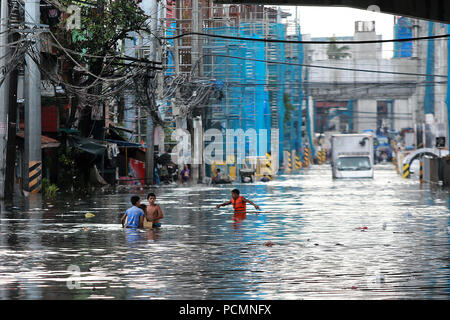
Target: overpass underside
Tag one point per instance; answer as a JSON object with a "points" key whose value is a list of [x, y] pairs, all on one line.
{"points": [[435, 10], [351, 91]]}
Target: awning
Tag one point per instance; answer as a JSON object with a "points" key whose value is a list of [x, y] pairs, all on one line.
{"points": [[87, 144], [46, 142], [69, 131], [121, 128]]}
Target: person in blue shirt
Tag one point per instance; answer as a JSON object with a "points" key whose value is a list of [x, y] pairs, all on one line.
{"points": [[134, 216]]}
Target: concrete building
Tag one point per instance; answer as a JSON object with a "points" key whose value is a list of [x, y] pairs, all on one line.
{"points": [[365, 91]]}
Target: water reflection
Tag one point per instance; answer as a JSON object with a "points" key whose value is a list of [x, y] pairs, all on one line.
{"points": [[308, 241]]}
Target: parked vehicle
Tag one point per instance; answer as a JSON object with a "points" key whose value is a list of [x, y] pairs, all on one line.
{"points": [[382, 146], [168, 170], [352, 155]]}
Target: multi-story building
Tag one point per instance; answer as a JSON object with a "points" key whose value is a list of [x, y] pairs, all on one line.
{"points": [[360, 90]]}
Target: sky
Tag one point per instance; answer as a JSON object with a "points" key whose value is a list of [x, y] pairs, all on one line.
{"points": [[340, 21]]}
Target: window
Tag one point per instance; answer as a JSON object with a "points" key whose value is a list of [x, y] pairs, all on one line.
{"points": [[383, 140], [353, 163]]}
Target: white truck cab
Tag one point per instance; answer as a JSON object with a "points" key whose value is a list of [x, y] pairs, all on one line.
{"points": [[352, 156]]}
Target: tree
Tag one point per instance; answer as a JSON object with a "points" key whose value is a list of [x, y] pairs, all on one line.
{"points": [[337, 53], [93, 69], [97, 70]]}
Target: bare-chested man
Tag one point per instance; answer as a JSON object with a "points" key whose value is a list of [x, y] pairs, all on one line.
{"points": [[154, 212]]}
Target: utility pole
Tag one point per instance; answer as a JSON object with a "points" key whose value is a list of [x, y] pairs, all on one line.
{"points": [[200, 74], [129, 98], [196, 142], [176, 102], [33, 153], [140, 54], [12, 127], [176, 57], [4, 91], [160, 76], [150, 133]]}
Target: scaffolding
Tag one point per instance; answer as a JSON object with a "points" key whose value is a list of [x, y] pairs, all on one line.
{"points": [[294, 90], [255, 91]]}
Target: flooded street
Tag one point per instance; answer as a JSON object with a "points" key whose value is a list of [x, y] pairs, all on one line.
{"points": [[315, 238]]}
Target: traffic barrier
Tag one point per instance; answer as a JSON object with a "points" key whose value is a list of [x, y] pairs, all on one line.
{"points": [[322, 156], [421, 172], [289, 161], [394, 162], [269, 160], [34, 176], [268, 170], [399, 162], [298, 163], [306, 157], [406, 172]]}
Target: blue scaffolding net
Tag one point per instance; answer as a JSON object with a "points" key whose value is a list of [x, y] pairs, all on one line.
{"points": [[258, 80]]}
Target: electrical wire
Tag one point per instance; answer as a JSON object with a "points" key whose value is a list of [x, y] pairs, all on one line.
{"points": [[303, 41], [325, 67]]}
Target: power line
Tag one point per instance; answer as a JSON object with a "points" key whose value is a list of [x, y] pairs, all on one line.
{"points": [[350, 85], [326, 67], [303, 41]]}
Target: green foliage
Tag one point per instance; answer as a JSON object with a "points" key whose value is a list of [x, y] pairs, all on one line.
{"points": [[102, 27], [337, 53], [49, 189], [70, 175]]}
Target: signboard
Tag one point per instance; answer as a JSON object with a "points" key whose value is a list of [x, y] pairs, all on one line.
{"points": [[332, 104], [47, 88], [49, 119], [440, 142], [409, 139]]}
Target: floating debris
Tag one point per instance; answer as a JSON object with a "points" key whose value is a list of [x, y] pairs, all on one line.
{"points": [[380, 278], [268, 244], [89, 215], [408, 215]]}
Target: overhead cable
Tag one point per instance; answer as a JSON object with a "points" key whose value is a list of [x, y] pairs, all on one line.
{"points": [[303, 41]]}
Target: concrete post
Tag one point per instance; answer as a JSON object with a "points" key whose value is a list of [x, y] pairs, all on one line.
{"points": [[195, 54], [12, 128], [195, 38], [129, 98], [4, 89], [149, 159], [33, 153]]}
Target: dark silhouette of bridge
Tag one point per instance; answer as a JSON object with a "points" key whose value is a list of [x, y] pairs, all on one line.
{"points": [[435, 10]]}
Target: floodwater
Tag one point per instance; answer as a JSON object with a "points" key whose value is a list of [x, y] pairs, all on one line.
{"points": [[315, 238]]}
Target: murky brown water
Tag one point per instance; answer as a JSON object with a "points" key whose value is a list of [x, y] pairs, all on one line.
{"points": [[316, 225]]}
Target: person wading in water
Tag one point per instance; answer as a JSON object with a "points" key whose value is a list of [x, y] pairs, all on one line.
{"points": [[239, 204]]}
